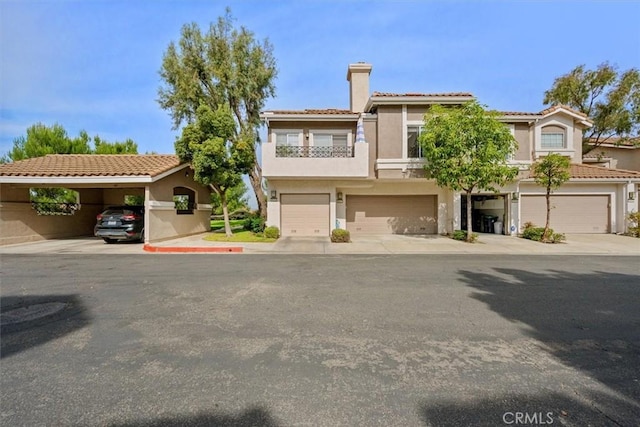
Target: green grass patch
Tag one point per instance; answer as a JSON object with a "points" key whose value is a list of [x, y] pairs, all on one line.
{"points": [[239, 236], [219, 223]]}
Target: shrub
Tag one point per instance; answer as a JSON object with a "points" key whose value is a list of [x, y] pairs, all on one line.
{"points": [[534, 233], [254, 224], [462, 235], [634, 223], [272, 232], [340, 236]]}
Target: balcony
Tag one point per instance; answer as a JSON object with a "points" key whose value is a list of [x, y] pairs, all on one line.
{"points": [[315, 162]]}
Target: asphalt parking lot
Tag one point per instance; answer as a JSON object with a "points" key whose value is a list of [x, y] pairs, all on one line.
{"points": [[317, 340]]}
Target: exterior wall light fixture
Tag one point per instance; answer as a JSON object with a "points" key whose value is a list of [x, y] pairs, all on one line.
{"points": [[340, 199], [274, 195]]}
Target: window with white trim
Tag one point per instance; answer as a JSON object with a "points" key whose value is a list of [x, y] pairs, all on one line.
{"points": [[552, 140], [287, 139], [552, 137], [414, 149], [330, 140]]}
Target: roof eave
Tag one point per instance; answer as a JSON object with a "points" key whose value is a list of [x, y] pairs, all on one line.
{"points": [[269, 117], [415, 100]]}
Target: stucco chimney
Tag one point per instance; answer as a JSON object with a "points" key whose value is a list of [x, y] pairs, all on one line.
{"points": [[358, 77]]}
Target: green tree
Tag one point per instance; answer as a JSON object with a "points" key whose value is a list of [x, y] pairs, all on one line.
{"points": [[466, 149], [610, 98], [104, 147], [216, 161], [550, 172], [236, 199], [224, 66], [42, 140]]}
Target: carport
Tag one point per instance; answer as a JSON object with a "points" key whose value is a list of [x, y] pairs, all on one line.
{"points": [[175, 205]]}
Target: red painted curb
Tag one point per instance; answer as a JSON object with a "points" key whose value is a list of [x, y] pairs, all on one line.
{"points": [[182, 249]]}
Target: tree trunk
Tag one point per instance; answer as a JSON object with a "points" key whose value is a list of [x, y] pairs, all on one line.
{"points": [[469, 219], [545, 236], [255, 177], [225, 214]]}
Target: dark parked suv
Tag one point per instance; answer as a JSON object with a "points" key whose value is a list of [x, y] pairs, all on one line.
{"points": [[120, 223]]}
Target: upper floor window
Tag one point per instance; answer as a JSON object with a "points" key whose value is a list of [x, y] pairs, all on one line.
{"points": [[330, 140], [414, 149], [552, 137], [287, 139]]}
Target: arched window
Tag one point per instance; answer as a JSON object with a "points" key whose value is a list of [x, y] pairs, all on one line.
{"points": [[553, 137], [184, 199]]}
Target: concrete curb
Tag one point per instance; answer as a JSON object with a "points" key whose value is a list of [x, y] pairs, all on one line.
{"points": [[188, 249]]}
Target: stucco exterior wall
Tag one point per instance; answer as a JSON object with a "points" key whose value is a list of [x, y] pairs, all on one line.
{"points": [[115, 196], [522, 135], [626, 158], [390, 132], [19, 222], [163, 221]]}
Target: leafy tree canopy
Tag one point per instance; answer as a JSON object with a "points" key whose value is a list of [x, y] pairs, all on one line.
{"points": [[222, 66], [609, 97], [42, 140], [466, 148], [216, 161]]}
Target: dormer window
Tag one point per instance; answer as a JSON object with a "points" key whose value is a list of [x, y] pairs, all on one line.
{"points": [[553, 137]]}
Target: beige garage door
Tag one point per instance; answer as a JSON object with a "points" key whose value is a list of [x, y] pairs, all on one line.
{"points": [[569, 214], [304, 214], [392, 214]]}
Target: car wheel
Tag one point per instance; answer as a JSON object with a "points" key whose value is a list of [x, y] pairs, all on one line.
{"points": [[109, 241]]}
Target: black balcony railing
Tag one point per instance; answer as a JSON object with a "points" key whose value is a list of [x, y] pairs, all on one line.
{"points": [[318, 152]]}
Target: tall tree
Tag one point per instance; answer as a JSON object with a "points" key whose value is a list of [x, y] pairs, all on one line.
{"points": [[550, 172], [224, 66], [216, 161], [610, 98], [466, 149]]}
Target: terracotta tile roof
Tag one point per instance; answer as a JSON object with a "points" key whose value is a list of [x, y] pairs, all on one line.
{"points": [[565, 107], [618, 141], [597, 172], [518, 113], [452, 94], [81, 165], [313, 111]]}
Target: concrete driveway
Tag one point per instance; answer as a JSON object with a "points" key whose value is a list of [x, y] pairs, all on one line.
{"points": [[306, 340], [577, 244], [81, 245]]}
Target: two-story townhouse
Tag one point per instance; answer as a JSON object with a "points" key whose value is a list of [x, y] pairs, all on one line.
{"points": [[361, 169]]}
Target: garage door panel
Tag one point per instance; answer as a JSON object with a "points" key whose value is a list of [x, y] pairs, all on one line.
{"points": [[392, 214], [304, 214], [569, 213]]}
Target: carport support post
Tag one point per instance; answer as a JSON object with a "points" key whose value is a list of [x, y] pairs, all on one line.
{"points": [[147, 214]]}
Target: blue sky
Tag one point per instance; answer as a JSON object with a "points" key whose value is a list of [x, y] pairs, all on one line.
{"points": [[94, 64]]}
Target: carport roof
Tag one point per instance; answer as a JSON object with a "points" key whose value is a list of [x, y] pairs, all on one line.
{"points": [[82, 167]]}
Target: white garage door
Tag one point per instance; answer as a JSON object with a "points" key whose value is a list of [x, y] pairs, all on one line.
{"points": [[569, 214], [392, 214], [304, 214]]}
